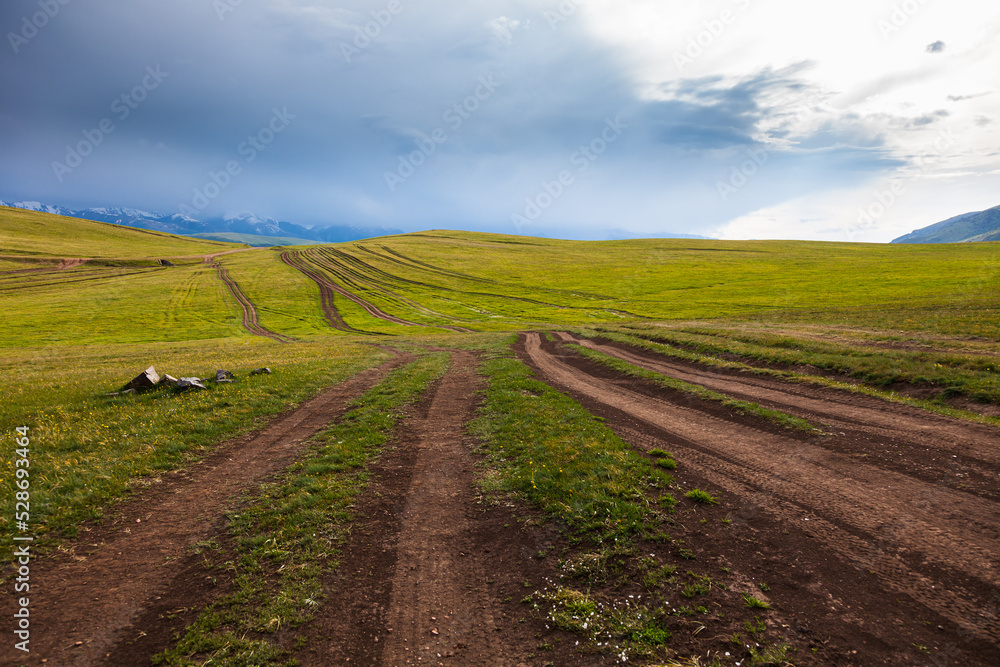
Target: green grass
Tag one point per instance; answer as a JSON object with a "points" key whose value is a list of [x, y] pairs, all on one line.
{"points": [[633, 628], [544, 448], [680, 279], [286, 300], [88, 450], [752, 602], [700, 496], [291, 532], [252, 240], [114, 306]]}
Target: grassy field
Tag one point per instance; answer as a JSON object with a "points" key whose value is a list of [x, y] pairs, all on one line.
{"points": [[881, 317], [493, 282], [88, 449]]}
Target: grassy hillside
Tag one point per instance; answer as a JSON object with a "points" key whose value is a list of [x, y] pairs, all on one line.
{"points": [[967, 228], [46, 235], [481, 282], [493, 282]]}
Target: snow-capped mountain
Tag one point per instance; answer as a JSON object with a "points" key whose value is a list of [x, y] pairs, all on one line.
{"points": [[245, 223]]}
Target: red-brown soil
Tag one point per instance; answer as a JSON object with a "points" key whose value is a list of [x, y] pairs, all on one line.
{"points": [[868, 538]]}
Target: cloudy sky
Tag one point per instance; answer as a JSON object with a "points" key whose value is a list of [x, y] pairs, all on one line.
{"points": [[852, 120]]}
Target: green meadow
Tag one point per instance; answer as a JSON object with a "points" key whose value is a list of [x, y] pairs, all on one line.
{"points": [[72, 333], [879, 313]]}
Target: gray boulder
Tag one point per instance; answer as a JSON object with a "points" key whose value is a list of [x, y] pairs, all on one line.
{"points": [[260, 371], [147, 379], [223, 376], [168, 379], [190, 383]]}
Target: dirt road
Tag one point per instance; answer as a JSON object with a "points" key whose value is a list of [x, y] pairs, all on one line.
{"points": [[934, 549], [418, 582], [96, 591]]}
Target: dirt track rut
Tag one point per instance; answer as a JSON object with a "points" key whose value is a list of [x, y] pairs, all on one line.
{"points": [[296, 261], [94, 594], [432, 610], [838, 409], [250, 322], [939, 546]]}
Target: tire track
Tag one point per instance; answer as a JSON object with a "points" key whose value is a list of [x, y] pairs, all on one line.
{"points": [[436, 605], [326, 292], [841, 409], [250, 322], [370, 308], [951, 545], [95, 597], [359, 273]]}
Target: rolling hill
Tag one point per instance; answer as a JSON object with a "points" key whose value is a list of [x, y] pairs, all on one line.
{"points": [[966, 228], [176, 223], [30, 233]]}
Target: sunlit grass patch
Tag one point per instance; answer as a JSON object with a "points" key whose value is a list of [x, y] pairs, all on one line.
{"points": [[625, 628]]}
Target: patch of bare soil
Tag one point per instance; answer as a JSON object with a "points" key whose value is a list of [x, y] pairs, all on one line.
{"points": [[882, 565], [137, 565]]}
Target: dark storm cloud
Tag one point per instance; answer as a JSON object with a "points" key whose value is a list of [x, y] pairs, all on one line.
{"points": [[361, 86]]}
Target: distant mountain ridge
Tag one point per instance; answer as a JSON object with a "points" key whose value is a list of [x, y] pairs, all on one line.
{"points": [[183, 225], [965, 228]]}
